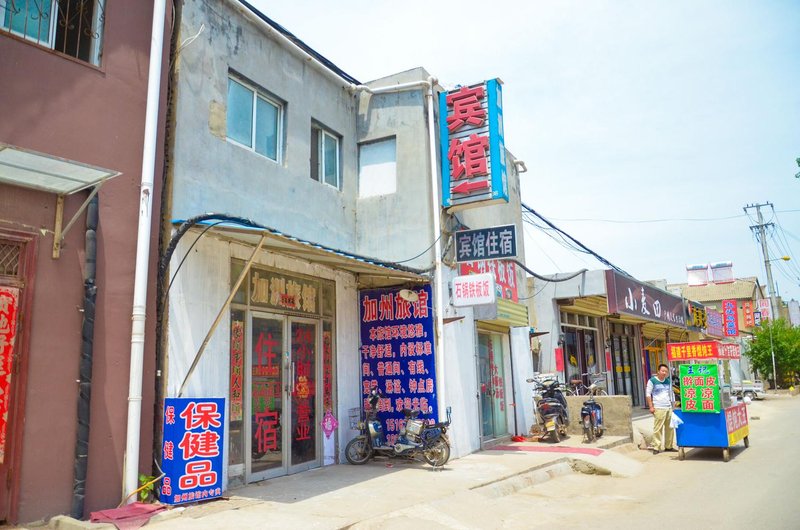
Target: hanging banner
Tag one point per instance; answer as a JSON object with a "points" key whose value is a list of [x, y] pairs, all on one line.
{"points": [[747, 312], [765, 309], [397, 354], [472, 145], [505, 275], [699, 388], [9, 300], [473, 289], [714, 323], [192, 451], [684, 351], [731, 318]]}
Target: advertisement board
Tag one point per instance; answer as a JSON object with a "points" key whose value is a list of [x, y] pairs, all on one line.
{"points": [[699, 388]]}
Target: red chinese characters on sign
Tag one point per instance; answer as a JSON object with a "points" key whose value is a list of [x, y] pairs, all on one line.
{"points": [[266, 356], [747, 310], [736, 417], [203, 444], [468, 153], [505, 275], [730, 351], [267, 431], [303, 354], [8, 328], [237, 369], [203, 415]]}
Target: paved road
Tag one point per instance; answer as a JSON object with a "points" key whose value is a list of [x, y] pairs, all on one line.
{"points": [[758, 488]]}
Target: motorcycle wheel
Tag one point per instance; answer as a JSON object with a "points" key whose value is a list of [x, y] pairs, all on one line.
{"points": [[437, 454], [358, 451], [588, 428], [598, 432], [554, 435]]}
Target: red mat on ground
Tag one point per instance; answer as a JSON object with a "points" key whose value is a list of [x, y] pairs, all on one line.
{"points": [[545, 449], [128, 517]]}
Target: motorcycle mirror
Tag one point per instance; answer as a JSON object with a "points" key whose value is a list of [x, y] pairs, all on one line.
{"points": [[530, 380]]}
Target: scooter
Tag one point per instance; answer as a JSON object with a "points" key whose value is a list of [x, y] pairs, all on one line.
{"points": [[592, 419], [416, 438], [551, 408]]}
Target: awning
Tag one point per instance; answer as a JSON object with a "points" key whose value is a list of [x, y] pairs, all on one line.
{"points": [[52, 174], [370, 272], [503, 314], [38, 171]]}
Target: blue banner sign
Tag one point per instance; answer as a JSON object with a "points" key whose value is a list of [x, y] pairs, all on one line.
{"points": [[191, 453], [397, 354]]}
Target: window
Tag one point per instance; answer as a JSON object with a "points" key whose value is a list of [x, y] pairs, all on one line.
{"points": [[325, 157], [72, 27], [253, 120], [377, 168]]}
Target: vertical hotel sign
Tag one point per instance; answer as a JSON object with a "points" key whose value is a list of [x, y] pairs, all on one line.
{"points": [[9, 298], [472, 144], [191, 454], [730, 318]]}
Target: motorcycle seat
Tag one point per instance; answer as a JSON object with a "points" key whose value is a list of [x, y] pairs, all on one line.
{"points": [[410, 414]]}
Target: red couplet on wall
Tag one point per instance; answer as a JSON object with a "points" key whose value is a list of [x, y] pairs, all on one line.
{"points": [[559, 359]]}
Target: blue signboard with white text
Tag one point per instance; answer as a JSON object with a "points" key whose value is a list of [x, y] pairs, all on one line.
{"points": [[473, 146], [397, 353], [191, 453]]}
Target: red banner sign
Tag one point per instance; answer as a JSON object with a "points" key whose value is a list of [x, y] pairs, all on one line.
{"points": [[505, 275], [9, 298], [747, 310], [731, 318], [689, 351]]}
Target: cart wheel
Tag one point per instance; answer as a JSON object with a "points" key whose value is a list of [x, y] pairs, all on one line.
{"points": [[747, 441], [726, 454], [681, 453]]}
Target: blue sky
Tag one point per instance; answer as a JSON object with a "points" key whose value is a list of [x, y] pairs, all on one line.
{"points": [[622, 110]]}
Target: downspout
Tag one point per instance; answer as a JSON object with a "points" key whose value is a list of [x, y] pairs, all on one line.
{"points": [[131, 464], [85, 369]]}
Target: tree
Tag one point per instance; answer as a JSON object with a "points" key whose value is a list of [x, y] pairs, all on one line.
{"points": [[786, 343]]}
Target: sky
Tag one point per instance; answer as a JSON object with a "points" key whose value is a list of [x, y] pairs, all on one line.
{"points": [[665, 117]]}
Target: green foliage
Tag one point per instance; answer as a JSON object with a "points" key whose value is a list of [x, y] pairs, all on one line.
{"points": [[147, 492], [786, 343]]}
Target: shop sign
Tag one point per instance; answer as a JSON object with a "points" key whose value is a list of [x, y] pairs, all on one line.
{"points": [[765, 308], [736, 423], [473, 289], [714, 323], [700, 388], [631, 297], [685, 351], [697, 316], [397, 355], [757, 318], [284, 292], [192, 450], [9, 300], [472, 145], [747, 312], [504, 272], [731, 318], [237, 369], [497, 242], [730, 351]]}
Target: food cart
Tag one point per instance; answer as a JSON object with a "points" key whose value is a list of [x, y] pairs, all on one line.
{"points": [[711, 415]]}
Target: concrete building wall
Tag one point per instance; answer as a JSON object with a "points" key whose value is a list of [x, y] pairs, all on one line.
{"points": [[212, 174], [94, 115]]}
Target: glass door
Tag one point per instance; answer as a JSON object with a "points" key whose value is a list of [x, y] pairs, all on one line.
{"points": [[303, 394], [491, 382], [266, 404]]}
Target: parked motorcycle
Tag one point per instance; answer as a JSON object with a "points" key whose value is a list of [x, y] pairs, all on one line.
{"points": [[592, 419], [551, 408], [417, 438]]}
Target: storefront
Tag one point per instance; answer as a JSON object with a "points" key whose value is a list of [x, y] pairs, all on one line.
{"points": [[580, 349], [625, 366]]}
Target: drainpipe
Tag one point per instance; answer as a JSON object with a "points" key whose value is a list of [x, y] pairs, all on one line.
{"points": [[131, 465], [436, 214], [85, 369]]}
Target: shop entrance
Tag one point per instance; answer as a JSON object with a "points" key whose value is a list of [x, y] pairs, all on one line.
{"points": [[283, 398], [491, 382], [623, 356]]}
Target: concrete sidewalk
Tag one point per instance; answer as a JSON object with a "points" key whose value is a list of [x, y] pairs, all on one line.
{"points": [[342, 495]]}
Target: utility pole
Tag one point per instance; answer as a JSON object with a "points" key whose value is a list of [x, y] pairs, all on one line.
{"points": [[762, 238]]}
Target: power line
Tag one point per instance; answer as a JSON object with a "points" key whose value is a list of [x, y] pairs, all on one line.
{"points": [[600, 258], [664, 220]]}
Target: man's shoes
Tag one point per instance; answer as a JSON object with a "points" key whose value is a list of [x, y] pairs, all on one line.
{"points": [[671, 450], [654, 451]]}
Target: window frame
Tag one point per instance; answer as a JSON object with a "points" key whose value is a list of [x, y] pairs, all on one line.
{"points": [[323, 132], [257, 94]]}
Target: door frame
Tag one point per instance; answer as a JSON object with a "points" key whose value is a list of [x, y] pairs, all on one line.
{"points": [[316, 462], [19, 383]]}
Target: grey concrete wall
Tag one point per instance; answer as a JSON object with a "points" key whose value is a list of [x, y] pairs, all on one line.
{"points": [[616, 415], [212, 174]]}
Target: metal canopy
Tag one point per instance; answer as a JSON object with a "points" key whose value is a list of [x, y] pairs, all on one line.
{"points": [[370, 272], [29, 169]]}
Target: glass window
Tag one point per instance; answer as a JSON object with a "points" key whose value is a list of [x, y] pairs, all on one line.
{"points": [[71, 27], [325, 157], [253, 120]]}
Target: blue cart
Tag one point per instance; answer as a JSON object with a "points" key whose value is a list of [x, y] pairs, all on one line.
{"points": [[723, 430]]}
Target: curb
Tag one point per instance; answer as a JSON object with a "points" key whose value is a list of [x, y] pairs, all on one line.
{"points": [[535, 475]]}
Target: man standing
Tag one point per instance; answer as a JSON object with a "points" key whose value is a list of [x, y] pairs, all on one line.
{"points": [[660, 399]]}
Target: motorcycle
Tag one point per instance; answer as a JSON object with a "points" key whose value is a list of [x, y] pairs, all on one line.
{"points": [[551, 408], [417, 438], [592, 419]]}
